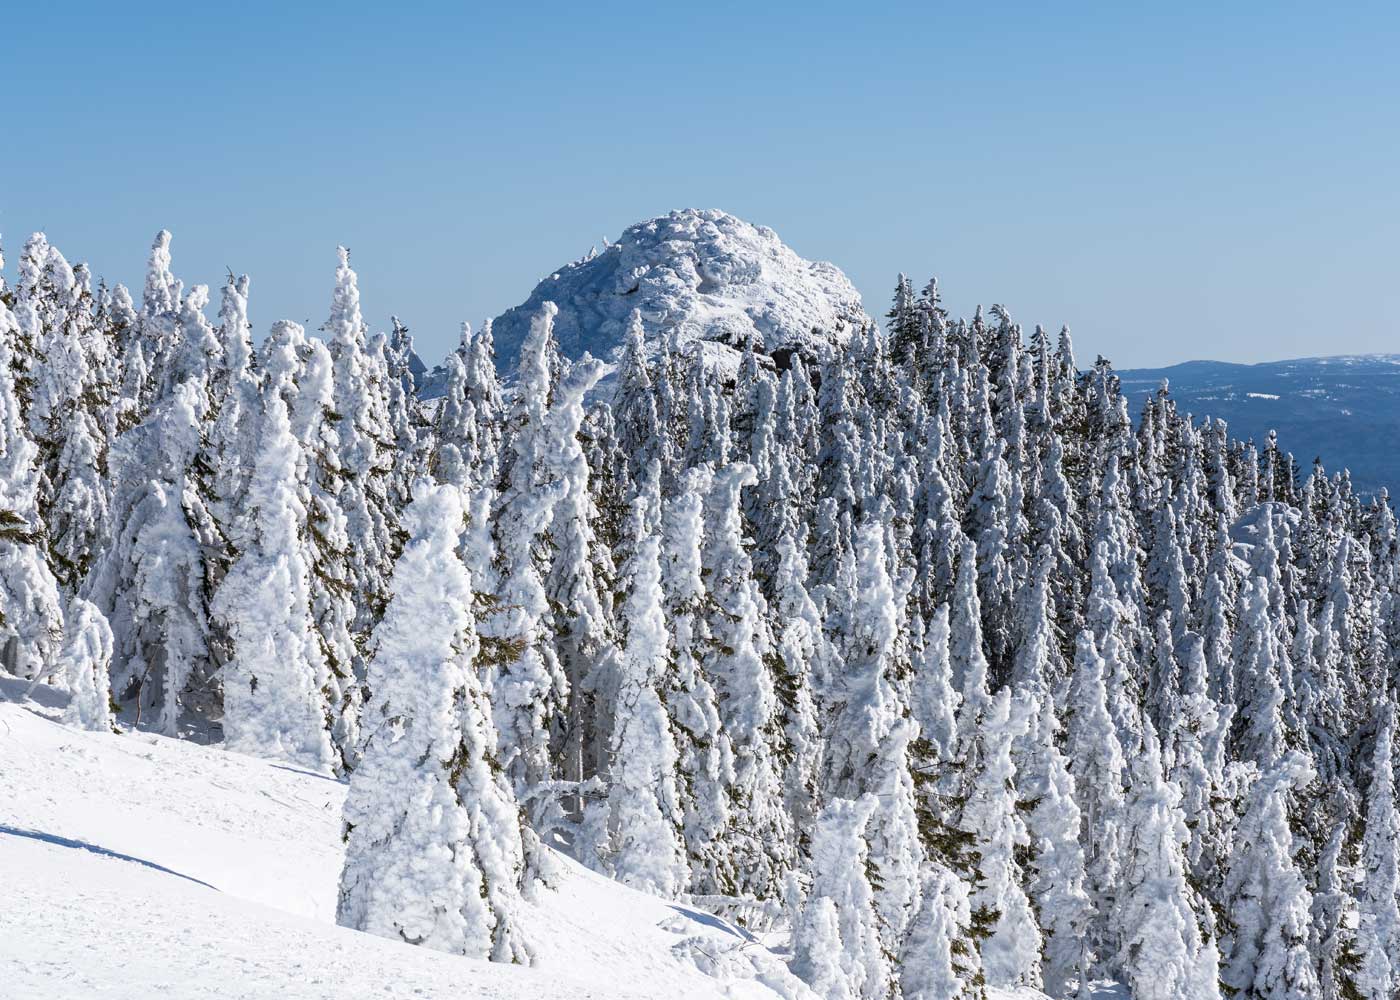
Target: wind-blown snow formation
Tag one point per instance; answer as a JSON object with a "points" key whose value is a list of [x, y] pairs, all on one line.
{"points": [[694, 275]]}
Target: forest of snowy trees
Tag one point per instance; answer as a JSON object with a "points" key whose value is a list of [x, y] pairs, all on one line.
{"points": [[925, 651]]}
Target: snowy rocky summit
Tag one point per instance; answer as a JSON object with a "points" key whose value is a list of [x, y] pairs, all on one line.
{"points": [[695, 275]]}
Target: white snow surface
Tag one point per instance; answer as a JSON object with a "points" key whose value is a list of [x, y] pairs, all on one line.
{"points": [[700, 274], [136, 865]]}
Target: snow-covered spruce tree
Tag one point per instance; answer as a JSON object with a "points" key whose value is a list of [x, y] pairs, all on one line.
{"points": [[1266, 902], [867, 703], [1378, 931], [760, 832], [530, 689], [366, 442], [1260, 734], [233, 442], [849, 962], [276, 683], [78, 518], [1056, 868], [409, 431], [31, 616], [84, 665], [1194, 751], [1097, 765], [643, 436], [66, 417], [578, 585], [1163, 956], [936, 961], [300, 370], [155, 577], [933, 702], [433, 843], [806, 661], [965, 648], [1002, 915], [467, 432], [647, 851], [869, 738], [706, 758]]}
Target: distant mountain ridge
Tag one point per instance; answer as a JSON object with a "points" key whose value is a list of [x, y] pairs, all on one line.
{"points": [[1343, 409]]}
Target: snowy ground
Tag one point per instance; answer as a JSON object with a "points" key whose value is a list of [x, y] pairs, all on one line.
{"points": [[136, 866]]}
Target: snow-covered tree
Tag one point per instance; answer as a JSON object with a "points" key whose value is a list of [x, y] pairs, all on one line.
{"points": [[939, 960], [433, 843], [1267, 903], [1056, 868], [1378, 931], [648, 851], [842, 957], [31, 616], [1012, 942], [83, 667], [365, 441], [1097, 765], [276, 683], [1162, 954], [741, 647], [706, 758]]}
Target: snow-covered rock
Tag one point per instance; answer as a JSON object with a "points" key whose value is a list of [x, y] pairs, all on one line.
{"points": [[702, 275]]}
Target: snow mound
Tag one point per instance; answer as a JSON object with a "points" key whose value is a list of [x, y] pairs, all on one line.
{"points": [[700, 275]]}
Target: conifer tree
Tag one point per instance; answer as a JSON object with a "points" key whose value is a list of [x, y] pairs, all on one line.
{"points": [[1096, 762], [760, 835], [939, 960], [845, 959], [31, 617], [84, 664], [1162, 954], [705, 757], [364, 439], [1267, 904], [648, 852], [233, 435], [1378, 932], [1011, 947], [1056, 869], [301, 371], [433, 844], [276, 684]]}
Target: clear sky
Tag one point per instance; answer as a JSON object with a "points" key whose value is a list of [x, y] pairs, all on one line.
{"points": [[1175, 181]]}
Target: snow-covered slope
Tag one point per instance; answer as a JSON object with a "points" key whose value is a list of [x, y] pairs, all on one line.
{"points": [[139, 866], [701, 274], [135, 866]]}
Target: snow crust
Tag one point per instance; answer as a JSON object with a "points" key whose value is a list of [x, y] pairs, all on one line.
{"points": [[697, 275]]}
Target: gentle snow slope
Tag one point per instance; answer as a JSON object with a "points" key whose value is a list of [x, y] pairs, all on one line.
{"points": [[700, 275], [136, 866]]}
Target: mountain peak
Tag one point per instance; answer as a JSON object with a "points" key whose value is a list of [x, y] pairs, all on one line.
{"points": [[696, 274]]}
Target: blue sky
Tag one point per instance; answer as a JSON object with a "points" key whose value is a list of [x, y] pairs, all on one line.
{"points": [[1173, 183]]}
